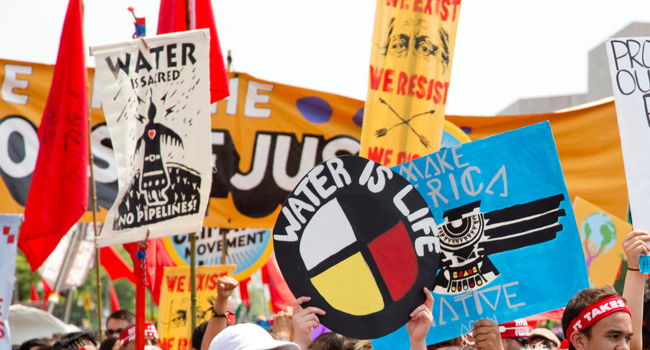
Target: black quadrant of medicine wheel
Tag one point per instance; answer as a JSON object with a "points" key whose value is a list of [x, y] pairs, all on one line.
{"points": [[370, 215]]}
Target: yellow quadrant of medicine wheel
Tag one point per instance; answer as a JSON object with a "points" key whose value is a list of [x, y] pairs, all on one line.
{"points": [[354, 274]]}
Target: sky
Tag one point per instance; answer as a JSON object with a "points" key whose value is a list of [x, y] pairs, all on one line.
{"points": [[505, 49]]}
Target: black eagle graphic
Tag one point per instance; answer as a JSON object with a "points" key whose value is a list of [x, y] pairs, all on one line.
{"points": [[468, 237]]}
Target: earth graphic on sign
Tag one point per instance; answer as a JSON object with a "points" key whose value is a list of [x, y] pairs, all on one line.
{"points": [[598, 234]]}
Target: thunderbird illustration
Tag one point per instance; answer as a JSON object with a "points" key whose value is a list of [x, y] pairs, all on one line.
{"points": [[162, 188], [468, 237]]}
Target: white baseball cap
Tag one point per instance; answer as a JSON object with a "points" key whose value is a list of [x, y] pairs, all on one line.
{"points": [[248, 336]]}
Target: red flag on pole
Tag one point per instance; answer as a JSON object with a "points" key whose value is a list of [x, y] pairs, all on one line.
{"points": [[47, 290], [281, 295], [34, 296], [157, 259], [58, 194], [114, 265], [172, 19], [115, 302]]}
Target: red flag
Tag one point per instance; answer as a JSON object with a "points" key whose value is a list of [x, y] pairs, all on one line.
{"points": [[281, 296], [115, 303], [58, 195], [243, 291], [47, 290], [114, 265], [34, 296], [172, 19]]}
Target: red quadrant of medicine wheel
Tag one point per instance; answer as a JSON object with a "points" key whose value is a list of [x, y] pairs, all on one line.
{"points": [[395, 257]]}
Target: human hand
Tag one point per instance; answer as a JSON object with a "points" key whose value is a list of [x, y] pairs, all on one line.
{"points": [[486, 335], [225, 286], [634, 246], [283, 323], [420, 323], [304, 320]]}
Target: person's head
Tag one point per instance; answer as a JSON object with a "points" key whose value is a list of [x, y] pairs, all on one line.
{"points": [[127, 337], [329, 341], [545, 337], [34, 344], [118, 321], [597, 319], [110, 343], [515, 334], [75, 341], [197, 335], [246, 337]]}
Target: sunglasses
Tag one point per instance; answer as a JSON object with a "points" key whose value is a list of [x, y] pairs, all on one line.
{"points": [[117, 332]]}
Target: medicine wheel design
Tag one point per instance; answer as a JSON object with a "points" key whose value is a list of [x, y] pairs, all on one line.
{"points": [[356, 255]]}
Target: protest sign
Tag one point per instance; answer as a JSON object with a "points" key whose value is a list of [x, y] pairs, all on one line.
{"points": [[9, 227], [83, 258], [410, 66], [174, 323], [248, 249], [505, 224], [357, 238], [156, 99], [602, 237], [630, 72]]}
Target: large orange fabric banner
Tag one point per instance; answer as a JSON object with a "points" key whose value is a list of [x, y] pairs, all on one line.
{"points": [[587, 142], [410, 66], [266, 136]]}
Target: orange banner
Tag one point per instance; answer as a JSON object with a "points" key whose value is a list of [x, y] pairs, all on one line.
{"points": [[266, 136]]}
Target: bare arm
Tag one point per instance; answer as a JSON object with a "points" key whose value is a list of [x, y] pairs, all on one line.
{"points": [[420, 323], [304, 320], [634, 246], [225, 286]]}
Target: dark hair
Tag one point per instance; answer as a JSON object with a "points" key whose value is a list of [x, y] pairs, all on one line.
{"points": [[33, 342], [108, 343], [330, 341], [579, 302], [73, 341], [197, 335], [125, 315]]}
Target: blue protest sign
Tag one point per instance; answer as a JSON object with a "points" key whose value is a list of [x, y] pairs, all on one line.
{"points": [[509, 242]]}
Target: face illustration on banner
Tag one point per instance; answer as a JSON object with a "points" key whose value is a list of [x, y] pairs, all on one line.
{"points": [[413, 37], [361, 242]]}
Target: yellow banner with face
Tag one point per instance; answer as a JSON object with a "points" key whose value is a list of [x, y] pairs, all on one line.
{"points": [[174, 315], [410, 65]]}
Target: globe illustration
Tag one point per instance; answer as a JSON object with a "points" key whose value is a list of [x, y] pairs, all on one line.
{"points": [[598, 234]]}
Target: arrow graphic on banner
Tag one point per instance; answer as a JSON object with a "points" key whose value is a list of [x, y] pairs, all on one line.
{"points": [[384, 131]]}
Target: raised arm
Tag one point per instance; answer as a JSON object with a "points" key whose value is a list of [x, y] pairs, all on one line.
{"points": [[225, 287], [634, 246], [420, 323]]}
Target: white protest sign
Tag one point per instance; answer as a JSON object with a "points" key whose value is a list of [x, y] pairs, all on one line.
{"points": [[9, 226], [156, 98], [629, 65]]}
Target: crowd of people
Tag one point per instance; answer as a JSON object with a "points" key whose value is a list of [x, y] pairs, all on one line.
{"points": [[594, 319]]}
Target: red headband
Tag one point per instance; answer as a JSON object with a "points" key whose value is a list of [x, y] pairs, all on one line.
{"points": [[594, 313], [128, 335]]}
